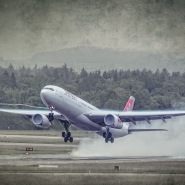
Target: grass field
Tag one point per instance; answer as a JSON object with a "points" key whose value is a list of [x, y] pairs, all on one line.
{"points": [[43, 141], [83, 179], [76, 133], [18, 166]]}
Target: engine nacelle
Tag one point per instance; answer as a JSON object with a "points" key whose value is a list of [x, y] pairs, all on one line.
{"points": [[113, 121], [41, 121]]}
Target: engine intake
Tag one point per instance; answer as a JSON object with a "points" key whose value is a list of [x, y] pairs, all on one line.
{"points": [[112, 120], [41, 121]]}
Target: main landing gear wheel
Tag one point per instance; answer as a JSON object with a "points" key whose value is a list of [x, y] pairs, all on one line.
{"points": [[104, 135], [106, 140], [71, 139], [65, 139], [109, 139], [108, 136], [63, 134], [112, 140], [67, 135]]}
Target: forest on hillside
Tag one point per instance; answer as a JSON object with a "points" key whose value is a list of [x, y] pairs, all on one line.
{"points": [[104, 89]]}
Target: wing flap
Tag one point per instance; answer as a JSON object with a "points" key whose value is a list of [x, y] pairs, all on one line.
{"points": [[145, 130]]}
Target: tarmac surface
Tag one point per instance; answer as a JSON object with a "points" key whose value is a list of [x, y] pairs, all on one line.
{"points": [[59, 159], [54, 162], [30, 158]]}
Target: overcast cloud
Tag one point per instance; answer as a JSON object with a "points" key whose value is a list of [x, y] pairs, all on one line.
{"points": [[31, 26]]}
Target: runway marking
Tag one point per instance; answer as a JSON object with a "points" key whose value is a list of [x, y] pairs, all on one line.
{"points": [[97, 174], [48, 166], [31, 136], [37, 144]]}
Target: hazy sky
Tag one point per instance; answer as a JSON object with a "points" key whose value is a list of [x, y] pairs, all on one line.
{"points": [[31, 26]]}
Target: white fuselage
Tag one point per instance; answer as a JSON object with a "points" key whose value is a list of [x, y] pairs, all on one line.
{"points": [[73, 109]]}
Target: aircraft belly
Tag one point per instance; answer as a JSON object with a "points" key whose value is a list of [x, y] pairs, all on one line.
{"points": [[116, 133], [84, 123], [65, 107]]}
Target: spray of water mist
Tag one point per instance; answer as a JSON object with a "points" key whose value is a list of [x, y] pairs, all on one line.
{"points": [[170, 143]]}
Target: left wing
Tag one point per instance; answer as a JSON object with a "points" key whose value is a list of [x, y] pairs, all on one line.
{"points": [[133, 116]]}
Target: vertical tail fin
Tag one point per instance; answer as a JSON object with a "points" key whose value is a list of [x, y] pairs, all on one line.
{"points": [[130, 104]]}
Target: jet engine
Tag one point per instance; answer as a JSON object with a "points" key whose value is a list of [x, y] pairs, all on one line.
{"points": [[41, 121], [113, 121]]}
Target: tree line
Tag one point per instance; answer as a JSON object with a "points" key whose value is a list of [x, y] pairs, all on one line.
{"points": [[104, 89]]}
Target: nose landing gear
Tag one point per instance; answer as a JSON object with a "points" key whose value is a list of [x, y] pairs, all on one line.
{"points": [[51, 114]]}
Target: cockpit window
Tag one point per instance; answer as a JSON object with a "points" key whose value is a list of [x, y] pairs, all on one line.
{"points": [[49, 88]]}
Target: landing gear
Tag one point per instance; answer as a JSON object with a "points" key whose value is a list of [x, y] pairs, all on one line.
{"points": [[112, 140], [65, 139], [51, 117], [108, 136], [67, 135], [63, 134], [106, 140], [71, 139], [51, 114]]}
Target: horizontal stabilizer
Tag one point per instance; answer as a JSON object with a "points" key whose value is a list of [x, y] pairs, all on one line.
{"points": [[145, 130]]}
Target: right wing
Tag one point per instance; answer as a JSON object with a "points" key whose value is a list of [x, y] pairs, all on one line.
{"points": [[27, 112]]}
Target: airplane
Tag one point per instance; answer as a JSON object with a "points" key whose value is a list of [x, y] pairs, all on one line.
{"points": [[70, 109]]}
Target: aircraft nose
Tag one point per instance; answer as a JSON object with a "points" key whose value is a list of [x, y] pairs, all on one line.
{"points": [[43, 92], [44, 95]]}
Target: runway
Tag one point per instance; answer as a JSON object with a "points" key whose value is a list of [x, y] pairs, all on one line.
{"points": [[52, 150], [28, 158], [54, 162]]}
